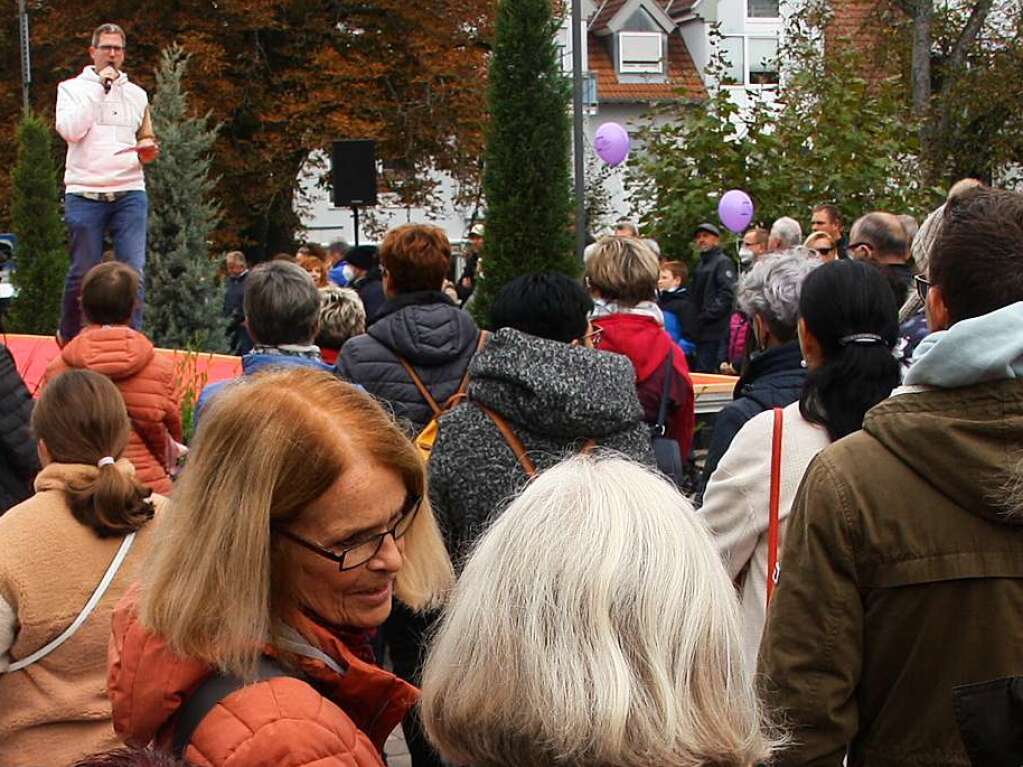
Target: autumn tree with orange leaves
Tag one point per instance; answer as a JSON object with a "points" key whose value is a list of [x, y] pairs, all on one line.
{"points": [[284, 79]]}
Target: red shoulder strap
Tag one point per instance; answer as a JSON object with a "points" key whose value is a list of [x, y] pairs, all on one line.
{"points": [[773, 569]]}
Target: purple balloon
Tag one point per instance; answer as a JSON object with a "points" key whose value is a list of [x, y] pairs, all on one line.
{"points": [[612, 143], [735, 210]]}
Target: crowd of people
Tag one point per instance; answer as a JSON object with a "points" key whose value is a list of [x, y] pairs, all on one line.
{"points": [[493, 536], [490, 537]]}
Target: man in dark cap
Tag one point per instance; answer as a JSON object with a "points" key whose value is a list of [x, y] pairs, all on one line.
{"points": [[713, 292], [367, 279]]}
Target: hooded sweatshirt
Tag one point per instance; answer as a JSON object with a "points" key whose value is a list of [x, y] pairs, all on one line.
{"points": [[902, 573], [647, 345], [555, 397], [96, 126], [986, 348], [146, 381]]}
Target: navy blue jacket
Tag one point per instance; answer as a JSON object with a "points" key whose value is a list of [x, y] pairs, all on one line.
{"points": [[773, 378]]}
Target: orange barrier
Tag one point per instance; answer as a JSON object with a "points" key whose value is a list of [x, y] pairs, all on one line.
{"points": [[32, 354]]}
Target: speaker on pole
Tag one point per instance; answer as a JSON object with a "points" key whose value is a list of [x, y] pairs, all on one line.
{"points": [[354, 173]]}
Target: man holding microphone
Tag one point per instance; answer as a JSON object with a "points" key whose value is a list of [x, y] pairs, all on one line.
{"points": [[105, 121]]}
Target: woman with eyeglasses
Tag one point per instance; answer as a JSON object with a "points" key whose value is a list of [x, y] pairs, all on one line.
{"points": [[301, 516], [822, 245]]}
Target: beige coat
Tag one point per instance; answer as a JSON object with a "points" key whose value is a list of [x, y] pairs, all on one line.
{"points": [[56, 710], [737, 507]]}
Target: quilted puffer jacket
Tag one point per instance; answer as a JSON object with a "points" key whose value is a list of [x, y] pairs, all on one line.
{"points": [[18, 461], [274, 722], [146, 382], [437, 339]]}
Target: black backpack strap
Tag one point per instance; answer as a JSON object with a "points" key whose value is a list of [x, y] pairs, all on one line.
{"points": [[662, 410], [209, 694]]}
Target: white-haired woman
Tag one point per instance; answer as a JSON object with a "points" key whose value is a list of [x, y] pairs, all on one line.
{"points": [[774, 374], [593, 625]]}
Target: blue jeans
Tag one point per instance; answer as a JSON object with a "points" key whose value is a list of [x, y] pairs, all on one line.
{"points": [[87, 222]]}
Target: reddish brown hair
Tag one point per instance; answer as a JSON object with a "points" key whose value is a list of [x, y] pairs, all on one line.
{"points": [[416, 256], [678, 270], [81, 418]]}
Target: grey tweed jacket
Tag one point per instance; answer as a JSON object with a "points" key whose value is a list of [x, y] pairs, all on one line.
{"points": [[555, 397]]}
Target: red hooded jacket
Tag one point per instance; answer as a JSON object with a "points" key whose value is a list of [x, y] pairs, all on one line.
{"points": [[273, 722], [646, 344]]}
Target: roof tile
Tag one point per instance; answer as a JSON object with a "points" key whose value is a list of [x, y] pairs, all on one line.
{"points": [[683, 84]]}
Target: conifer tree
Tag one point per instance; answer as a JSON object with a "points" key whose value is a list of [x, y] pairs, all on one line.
{"points": [[526, 178], [41, 260], [184, 300]]}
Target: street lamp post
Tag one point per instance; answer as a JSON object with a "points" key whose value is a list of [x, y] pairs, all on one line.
{"points": [[26, 66], [577, 130]]}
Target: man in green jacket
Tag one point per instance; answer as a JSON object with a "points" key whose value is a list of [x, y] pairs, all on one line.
{"points": [[902, 571]]}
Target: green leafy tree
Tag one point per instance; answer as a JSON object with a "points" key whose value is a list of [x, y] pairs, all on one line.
{"points": [[184, 299], [526, 177], [41, 259], [827, 135]]}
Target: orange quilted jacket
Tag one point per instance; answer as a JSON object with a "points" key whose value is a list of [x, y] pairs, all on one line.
{"points": [[278, 721], [147, 383]]}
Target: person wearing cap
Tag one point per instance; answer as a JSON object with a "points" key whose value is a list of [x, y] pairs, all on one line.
{"points": [[713, 292], [467, 282], [625, 227], [367, 279]]}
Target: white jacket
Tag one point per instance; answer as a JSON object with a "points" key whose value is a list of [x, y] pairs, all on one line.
{"points": [[96, 125], [737, 506]]}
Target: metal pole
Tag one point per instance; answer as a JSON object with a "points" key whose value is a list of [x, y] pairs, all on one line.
{"points": [[577, 127], [26, 65], [355, 214]]}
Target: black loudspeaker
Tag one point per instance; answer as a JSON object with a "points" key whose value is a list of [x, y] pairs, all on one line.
{"points": [[353, 169]]}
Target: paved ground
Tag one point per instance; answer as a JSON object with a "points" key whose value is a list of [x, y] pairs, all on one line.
{"points": [[396, 750]]}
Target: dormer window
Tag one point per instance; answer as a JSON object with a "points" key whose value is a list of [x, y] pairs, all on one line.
{"points": [[640, 53]]}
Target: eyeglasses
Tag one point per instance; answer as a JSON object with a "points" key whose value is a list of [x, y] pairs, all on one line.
{"points": [[922, 285], [825, 251], [110, 48], [864, 245], [360, 552], [595, 336]]}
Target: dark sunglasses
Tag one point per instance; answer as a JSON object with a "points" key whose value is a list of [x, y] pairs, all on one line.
{"points": [[360, 552], [922, 285], [825, 251]]}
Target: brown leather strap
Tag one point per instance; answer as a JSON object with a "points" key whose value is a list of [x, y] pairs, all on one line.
{"points": [[437, 410], [516, 444], [481, 341], [513, 441]]}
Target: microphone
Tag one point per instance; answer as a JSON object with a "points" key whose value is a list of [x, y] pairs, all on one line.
{"points": [[107, 80]]}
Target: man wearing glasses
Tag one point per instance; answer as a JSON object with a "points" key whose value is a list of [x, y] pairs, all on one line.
{"points": [[881, 238], [105, 121]]}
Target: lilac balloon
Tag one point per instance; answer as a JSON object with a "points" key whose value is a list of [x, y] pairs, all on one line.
{"points": [[612, 143], [735, 210]]}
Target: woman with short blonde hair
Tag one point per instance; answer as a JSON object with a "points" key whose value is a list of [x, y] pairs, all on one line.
{"points": [[593, 625], [822, 246], [622, 275], [623, 270], [303, 511]]}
